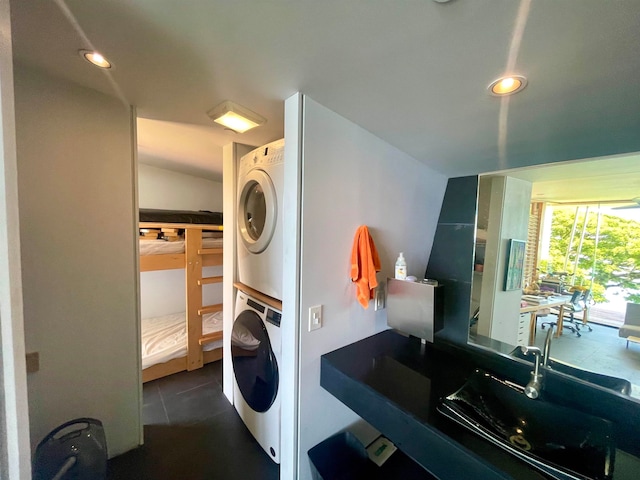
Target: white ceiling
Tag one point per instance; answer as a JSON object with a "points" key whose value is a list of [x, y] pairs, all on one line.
{"points": [[614, 180], [413, 72]]}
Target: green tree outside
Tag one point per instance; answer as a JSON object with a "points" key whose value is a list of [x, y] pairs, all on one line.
{"points": [[617, 259]]}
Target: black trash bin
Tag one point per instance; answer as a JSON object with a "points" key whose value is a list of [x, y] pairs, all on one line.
{"points": [[76, 450], [340, 457], [343, 457]]}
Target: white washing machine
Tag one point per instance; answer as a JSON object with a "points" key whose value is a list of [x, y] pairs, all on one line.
{"points": [[256, 356], [260, 185]]}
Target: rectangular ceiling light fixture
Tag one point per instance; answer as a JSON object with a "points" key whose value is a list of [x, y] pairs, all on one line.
{"points": [[235, 117]]}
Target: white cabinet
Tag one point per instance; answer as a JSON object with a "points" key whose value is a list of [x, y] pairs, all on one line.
{"points": [[523, 329]]}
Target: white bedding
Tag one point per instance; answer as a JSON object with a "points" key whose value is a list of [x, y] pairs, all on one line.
{"points": [[157, 247], [165, 338]]}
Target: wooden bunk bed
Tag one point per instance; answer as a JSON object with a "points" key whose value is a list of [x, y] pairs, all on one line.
{"points": [[194, 258]]}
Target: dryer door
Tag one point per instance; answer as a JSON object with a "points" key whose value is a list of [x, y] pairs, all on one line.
{"points": [[257, 211], [254, 363]]}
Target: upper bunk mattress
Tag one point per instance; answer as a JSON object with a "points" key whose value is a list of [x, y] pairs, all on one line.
{"points": [[159, 247], [202, 217]]}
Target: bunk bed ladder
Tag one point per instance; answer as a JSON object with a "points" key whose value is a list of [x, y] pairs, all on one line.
{"points": [[195, 309]]}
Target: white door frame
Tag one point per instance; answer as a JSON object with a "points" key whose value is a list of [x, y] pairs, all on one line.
{"points": [[15, 451]]}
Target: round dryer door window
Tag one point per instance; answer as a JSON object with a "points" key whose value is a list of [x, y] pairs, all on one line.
{"points": [[257, 211], [254, 363]]}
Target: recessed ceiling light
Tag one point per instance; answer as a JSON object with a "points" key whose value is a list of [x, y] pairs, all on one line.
{"points": [[95, 58], [507, 85], [235, 117]]}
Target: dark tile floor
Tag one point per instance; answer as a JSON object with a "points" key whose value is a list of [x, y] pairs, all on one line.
{"points": [[192, 432]]}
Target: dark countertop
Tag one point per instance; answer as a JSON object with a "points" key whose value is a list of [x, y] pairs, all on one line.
{"points": [[395, 383]]}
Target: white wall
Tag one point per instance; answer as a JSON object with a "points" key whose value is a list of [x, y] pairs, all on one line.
{"points": [[77, 202], [165, 189], [163, 292], [15, 455], [350, 178], [292, 217], [231, 154], [509, 207]]}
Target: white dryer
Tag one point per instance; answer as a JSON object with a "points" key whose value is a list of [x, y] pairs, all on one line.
{"points": [[260, 185], [256, 356]]}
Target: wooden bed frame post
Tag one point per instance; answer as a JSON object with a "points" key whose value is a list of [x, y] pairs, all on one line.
{"points": [[193, 272]]}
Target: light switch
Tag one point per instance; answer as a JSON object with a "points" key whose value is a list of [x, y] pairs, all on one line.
{"points": [[33, 362], [315, 317], [379, 301]]}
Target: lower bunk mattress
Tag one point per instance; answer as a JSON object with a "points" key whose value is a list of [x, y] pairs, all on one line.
{"points": [[165, 338]]}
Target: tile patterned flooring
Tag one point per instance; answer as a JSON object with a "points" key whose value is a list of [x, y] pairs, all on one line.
{"points": [[191, 433]]}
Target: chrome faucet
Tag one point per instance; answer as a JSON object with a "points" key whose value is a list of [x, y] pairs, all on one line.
{"points": [[547, 347], [534, 387]]}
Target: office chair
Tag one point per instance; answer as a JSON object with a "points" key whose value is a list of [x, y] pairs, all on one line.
{"points": [[582, 305], [569, 325]]}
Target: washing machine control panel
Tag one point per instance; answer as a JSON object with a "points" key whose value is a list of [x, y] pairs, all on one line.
{"points": [[255, 305], [270, 160], [273, 317], [271, 154]]}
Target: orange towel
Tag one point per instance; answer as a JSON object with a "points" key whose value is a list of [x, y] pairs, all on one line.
{"points": [[364, 265]]}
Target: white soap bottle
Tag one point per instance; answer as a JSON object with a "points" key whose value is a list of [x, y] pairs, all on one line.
{"points": [[401, 267]]}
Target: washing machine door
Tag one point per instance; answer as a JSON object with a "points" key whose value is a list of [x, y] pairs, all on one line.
{"points": [[254, 363], [257, 211]]}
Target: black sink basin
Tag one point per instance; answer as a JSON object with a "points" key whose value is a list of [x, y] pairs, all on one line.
{"points": [[616, 384], [559, 441]]}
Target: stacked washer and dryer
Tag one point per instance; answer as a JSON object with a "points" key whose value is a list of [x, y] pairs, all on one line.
{"points": [[256, 337]]}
